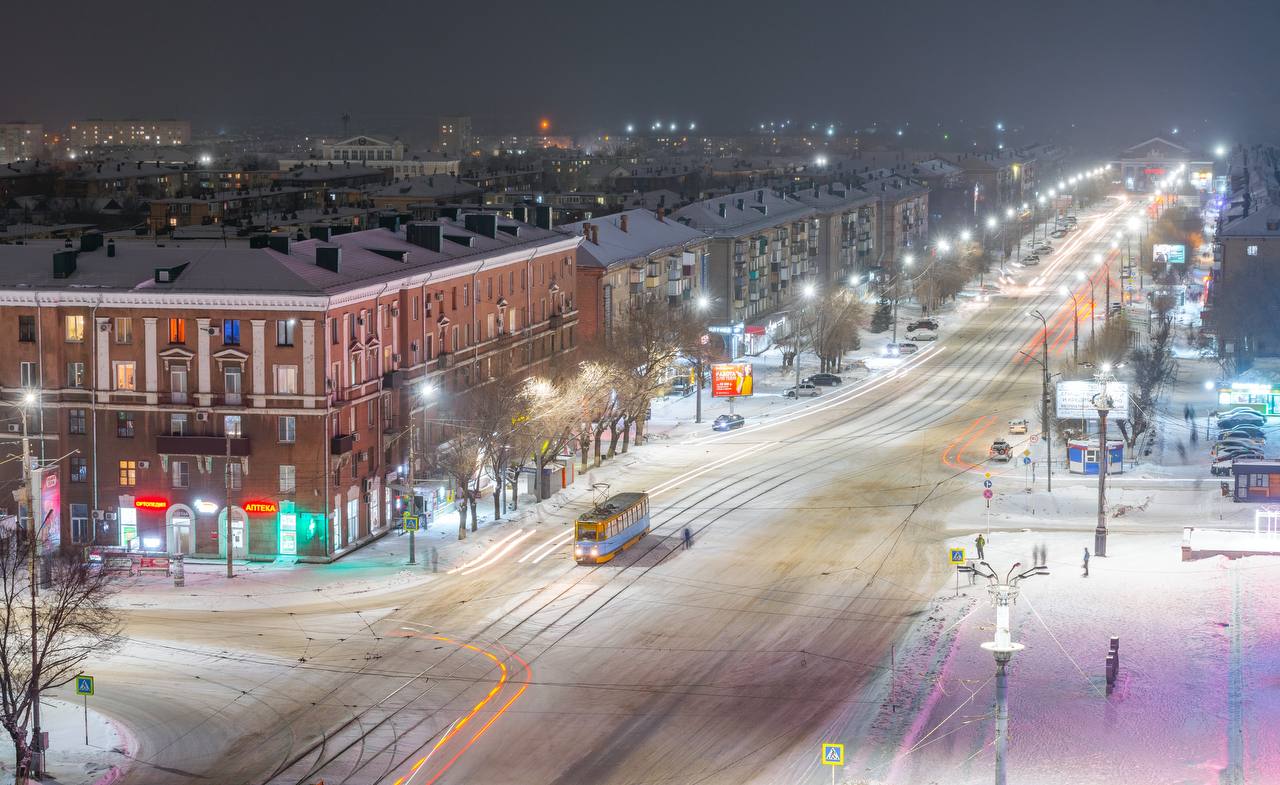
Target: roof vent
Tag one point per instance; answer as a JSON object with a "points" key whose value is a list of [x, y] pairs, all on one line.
{"points": [[428, 236], [278, 243], [329, 257], [64, 264], [169, 274], [482, 223]]}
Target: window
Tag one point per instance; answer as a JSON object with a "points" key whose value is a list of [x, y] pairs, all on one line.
{"points": [[231, 426], [234, 473], [177, 331], [124, 329], [180, 473], [76, 421], [286, 380], [334, 335], [284, 332], [230, 332], [1252, 250], [128, 473], [1258, 480], [80, 531], [75, 374], [79, 469], [178, 424], [287, 428], [288, 478], [27, 374], [27, 329], [126, 375], [232, 382], [75, 329], [124, 425], [415, 307], [355, 370]]}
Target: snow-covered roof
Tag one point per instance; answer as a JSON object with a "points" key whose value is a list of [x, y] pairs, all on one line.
{"points": [[645, 235], [744, 212], [1263, 222], [428, 187]]}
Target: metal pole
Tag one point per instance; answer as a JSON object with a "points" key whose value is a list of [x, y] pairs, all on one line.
{"points": [[413, 489], [1093, 307], [895, 305], [1100, 534], [37, 753], [698, 367], [1044, 408], [227, 480], [1002, 714], [1075, 330]]}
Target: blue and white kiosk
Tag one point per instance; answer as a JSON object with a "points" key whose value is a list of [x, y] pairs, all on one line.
{"points": [[1082, 456]]}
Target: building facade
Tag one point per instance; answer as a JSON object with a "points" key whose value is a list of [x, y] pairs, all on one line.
{"points": [[455, 137], [20, 141], [88, 134], [377, 154], [177, 388]]}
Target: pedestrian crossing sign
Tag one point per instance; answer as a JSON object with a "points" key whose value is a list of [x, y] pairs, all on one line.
{"points": [[84, 685], [957, 555], [832, 754], [411, 523]]}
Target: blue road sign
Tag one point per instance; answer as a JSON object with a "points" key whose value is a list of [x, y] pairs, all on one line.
{"points": [[84, 685], [832, 754], [1025, 460], [986, 483]]}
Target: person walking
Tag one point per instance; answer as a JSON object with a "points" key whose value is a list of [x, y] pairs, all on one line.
{"points": [[688, 538], [981, 543], [1086, 562]]}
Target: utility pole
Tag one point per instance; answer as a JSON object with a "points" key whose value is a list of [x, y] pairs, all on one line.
{"points": [[1045, 427], [697, 365], [227, 436], [29, 473], [413, 486], [1003, 595]]}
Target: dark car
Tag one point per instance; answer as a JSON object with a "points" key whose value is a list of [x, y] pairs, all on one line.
{"points": [[1238, 421], [727, 422], [824, 379], [923, 324]]}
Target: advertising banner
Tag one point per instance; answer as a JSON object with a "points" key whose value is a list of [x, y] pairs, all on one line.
{"points": [[1169, 254], [731, 380], [50, 501], [1075, 400]]}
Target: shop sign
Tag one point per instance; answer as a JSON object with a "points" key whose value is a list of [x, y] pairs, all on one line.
{"points": [[261, 508], [151, 503]]}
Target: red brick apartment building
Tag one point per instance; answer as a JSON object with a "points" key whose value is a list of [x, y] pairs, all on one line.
{"points": [[302, 361]]}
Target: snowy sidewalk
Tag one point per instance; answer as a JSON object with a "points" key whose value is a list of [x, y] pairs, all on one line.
{"points": [[70, 760]]}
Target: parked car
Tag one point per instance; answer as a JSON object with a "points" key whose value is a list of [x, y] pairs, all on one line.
{"points": [[1058, 234], [1244, 432], [1018, 426], [1235, 421], [1241, 410], [1221, 467], [907, 348], [1001, 451], [922, 334], [1030, 261], [823, 379], [802, 390], [1237, 453], [926, 323], [728, 422], [1224, 449], [1044, 248]]}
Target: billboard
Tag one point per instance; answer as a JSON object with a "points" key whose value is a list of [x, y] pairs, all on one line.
{"points": [[1075, 400], [731, 380], [1169, 254], [51, 505]]}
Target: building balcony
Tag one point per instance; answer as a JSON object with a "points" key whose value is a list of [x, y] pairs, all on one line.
{"points": [[202, 445], [341, 444]]}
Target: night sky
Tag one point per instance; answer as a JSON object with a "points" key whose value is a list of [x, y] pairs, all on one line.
{"points": [[1119, 71]]}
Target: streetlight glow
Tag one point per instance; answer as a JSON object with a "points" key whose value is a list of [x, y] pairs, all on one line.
{"points": [[991, 221], [965, 235]]}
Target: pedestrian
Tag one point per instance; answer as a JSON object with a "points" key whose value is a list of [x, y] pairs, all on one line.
{"points": [[1182, 451], [981, 543], [435, 559], [1186, 412], [1193, 414], [688, 538], [1086, 562], [1044, 554]]}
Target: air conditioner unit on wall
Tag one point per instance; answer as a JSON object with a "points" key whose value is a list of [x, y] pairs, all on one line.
{"points": [[15, 427], [144, 464], [202, 416]]}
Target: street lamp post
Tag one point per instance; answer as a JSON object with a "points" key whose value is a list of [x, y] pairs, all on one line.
{"points": [[702, 303], [1044, 404], [807, 292], [30, 488], [1003, 595], [1075, 325], [907, 261], [1103, 403]]}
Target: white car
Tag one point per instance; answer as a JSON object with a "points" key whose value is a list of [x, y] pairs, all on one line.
{"points": [[1018, 426], [923, 334], [802, 390]]}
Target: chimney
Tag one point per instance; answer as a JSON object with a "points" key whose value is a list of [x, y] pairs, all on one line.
{"points": [[90, 241], [760, 196], [595, 234], [724, 210], [542, 217], [586, 231], [321, 233], [329, 257], [111, 248], [278, 243], [742, 204], [622, 222], [482, 223], [429, 236], [662, 214], [64, 264], [520, 213]]}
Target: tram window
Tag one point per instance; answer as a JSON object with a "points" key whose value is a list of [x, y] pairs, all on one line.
{"points": [[586, 533]]}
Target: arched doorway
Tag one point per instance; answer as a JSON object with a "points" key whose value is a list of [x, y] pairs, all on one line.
{"points": [[181, 525], [239, 534]]}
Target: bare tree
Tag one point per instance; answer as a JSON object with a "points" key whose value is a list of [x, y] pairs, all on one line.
{"points": [[1152, 368], [461, 460], [832, 323], [495, 411], [644, 346], [554, 406], [73, 620]]}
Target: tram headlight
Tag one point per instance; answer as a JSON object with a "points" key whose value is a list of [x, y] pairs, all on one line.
{"points": [[595, 551]]}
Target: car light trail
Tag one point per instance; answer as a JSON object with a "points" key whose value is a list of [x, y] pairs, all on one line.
{"points": [[496, 552], [546, 548], [485, 555]]}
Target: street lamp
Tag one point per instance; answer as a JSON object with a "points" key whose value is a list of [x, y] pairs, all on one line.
{"points": [[1103, 403], [1044, 400], [1003, 595], [907, 261], [808, 292], [426, 392]]}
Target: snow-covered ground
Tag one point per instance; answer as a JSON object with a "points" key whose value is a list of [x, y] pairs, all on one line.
{"points": [[103, 760]]}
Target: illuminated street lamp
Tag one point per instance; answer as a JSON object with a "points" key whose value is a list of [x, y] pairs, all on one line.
{"points": [[1075, 324]]}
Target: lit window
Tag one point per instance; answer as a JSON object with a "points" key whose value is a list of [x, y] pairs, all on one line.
{"points": [[124, 329], [75, 329], [124, 425], [128, 473], [126, 375], [177, 331], [231, 332], [1252, 250]]}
